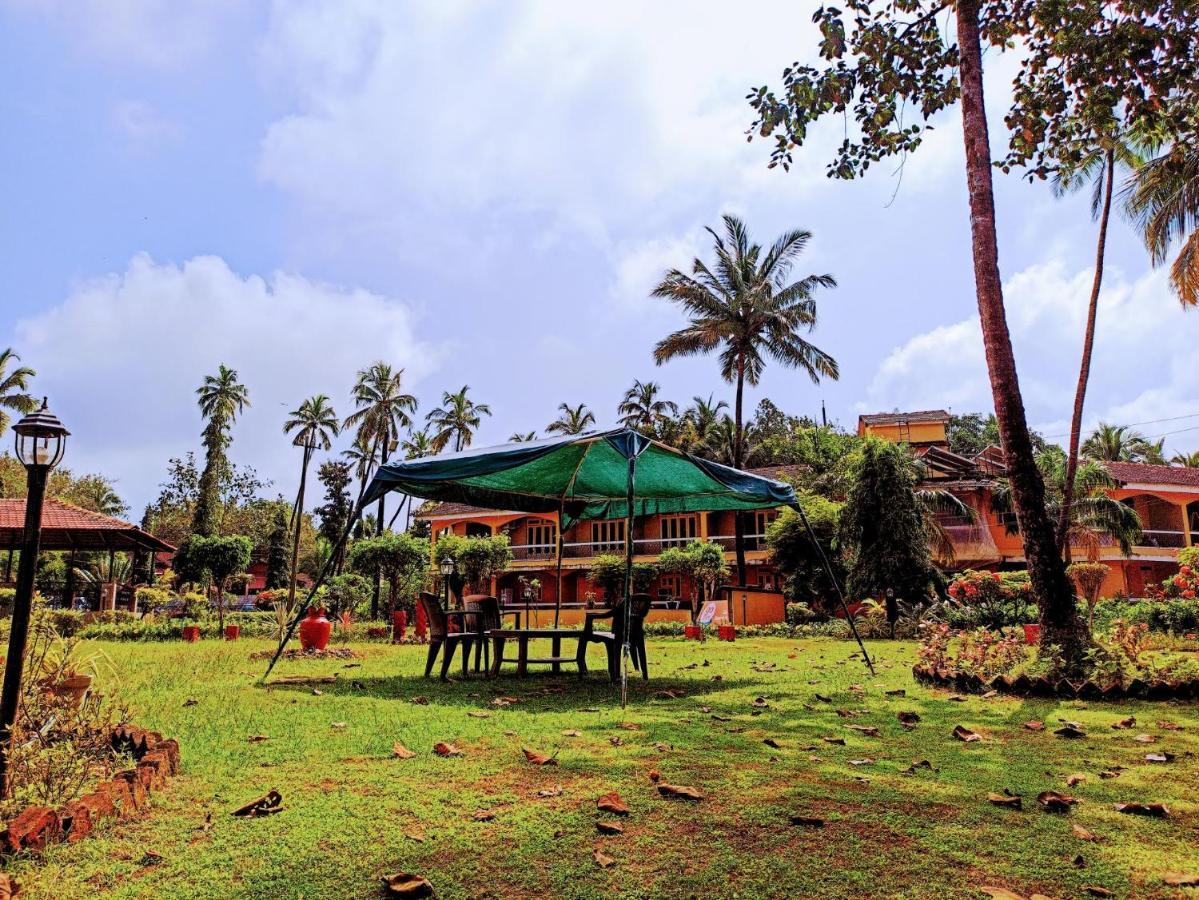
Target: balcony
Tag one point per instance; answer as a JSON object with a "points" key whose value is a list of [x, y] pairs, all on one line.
{"points": [[641, 547], [1169, 539]]}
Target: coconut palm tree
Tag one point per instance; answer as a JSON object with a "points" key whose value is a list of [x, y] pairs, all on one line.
{"points": [[746, 308], [1097, 168], [14, 387], [522, 437], [1119, 443], [456, 420], [1189, 460], [384, 408], [1163, 198], [417, 445], [361, 457], [314, 424], [222, 398], [573, 419], [640, 408], [1094, 513]]}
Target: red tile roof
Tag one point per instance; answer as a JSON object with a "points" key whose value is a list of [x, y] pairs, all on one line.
{"points": [[1142, 473], [65, 527]]}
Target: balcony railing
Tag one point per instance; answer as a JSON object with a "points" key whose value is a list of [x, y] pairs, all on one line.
{"points": [[641, 547], [1158, 538]]}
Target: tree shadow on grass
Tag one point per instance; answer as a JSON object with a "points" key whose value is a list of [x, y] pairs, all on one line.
{"points": [[540, 690]]}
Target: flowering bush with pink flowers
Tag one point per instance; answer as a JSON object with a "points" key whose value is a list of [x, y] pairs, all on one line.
{"points": [[1185, 584]]}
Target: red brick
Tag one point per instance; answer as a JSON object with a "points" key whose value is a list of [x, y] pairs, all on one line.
{"points": [[33, 829], [76, 820]]}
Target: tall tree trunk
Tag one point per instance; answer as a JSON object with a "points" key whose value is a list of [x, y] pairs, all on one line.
{"points": [[1061, 626], [738, 462], [384, 452], [295, 531], [1084, 370]]}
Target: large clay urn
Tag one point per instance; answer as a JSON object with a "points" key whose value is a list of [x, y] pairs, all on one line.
{"points": [[315, 630]]}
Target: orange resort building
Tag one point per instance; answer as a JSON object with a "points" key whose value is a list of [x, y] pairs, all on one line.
{"points": [[1165, 497]]}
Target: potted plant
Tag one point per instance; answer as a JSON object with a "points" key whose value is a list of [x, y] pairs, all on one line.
{"points": [[64, 668]]}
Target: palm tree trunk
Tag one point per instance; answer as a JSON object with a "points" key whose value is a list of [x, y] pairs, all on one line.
{"points": [[1061, 626], [295, 531], [378, 587], [1084, 370], [738, 462]]}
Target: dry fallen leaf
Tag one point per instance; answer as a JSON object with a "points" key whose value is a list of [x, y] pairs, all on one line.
{"points": [[965, 734], [1097, 891], [907, 719], [1162, 757], [1145, 739], [484, 815], [1070, 730], [1010, 801], [999, 893], [405, 884], [679, 792], [1153, 810], [1083, 835], [538, 759], [550, 792], [399, 751], [1181, 879], [807, 821], [839, 741], [771, 742], [655, 776], [337, 725], [441, 748], [571, 732], [609, 827], [868, 730], [629, 726], [611, 803], [603, 860], [1125, 723], [420, 701], [1035, 726], [479, 714], [1169, 726], [268, 804], [1075, 780], [1052, 801]]}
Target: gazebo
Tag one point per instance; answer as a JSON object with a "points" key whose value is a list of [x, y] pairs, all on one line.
{"points": [[615, 473], [69, 528]]}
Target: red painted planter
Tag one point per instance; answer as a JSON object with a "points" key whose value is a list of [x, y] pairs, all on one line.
{"points": [[727, 633], [232, 632], [422, 623], [1032, 634], [693, 632], [315, 630], [191, 633], [399, 625]]}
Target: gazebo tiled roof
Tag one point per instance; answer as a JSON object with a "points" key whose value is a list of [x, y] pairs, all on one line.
{"points": [[67, 527]]}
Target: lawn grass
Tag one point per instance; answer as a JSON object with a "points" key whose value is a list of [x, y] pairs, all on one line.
{"points": [[354, 812]]}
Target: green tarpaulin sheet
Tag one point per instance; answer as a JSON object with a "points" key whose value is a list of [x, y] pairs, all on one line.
{"points": [[584, 475]]}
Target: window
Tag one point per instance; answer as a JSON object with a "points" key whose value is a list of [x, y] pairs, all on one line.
{"points": [[679, 529], [768, 581], [442, 532], [670, 587], [477, 529], [608, 535], [755, 528], [542, 534]]}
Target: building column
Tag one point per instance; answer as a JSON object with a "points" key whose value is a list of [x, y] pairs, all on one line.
{"points": [[108, 596], [1186, 525], [703, 526]]}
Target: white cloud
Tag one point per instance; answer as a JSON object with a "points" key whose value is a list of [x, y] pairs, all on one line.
{"points": [[157, 33], [1142, 369], [593, 115], [122, 355]]}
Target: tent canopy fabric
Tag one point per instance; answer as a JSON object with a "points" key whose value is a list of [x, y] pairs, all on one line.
{"points": [[586, 475]]}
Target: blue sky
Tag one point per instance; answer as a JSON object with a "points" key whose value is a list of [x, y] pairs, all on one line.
{"points": [[483, 193]]}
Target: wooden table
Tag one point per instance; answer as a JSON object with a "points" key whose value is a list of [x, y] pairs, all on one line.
{"points": [[522, 636]]}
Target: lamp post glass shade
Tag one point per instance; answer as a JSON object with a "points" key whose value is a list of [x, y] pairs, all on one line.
{"points": [[447, 566], [40, 439]]}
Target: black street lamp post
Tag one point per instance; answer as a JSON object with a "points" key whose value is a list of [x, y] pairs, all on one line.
{"points": [[40, 441], [447, 572]]}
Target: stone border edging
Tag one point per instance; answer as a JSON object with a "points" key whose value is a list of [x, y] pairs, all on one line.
{"points": [[37, 827], [1023, 685]]}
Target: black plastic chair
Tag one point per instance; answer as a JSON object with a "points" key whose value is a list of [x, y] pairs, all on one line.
{"points": [[639, 607], [439, 634], [482, 615]]}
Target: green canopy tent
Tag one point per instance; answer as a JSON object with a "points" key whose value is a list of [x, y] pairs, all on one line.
{"points": [[608, 474]]}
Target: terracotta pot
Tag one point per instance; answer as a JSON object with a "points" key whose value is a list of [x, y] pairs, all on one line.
{"points": [[315, 630], [1032, 634], [693, 632], [727, 633], [191, 633], [74, 688], [399, 625], [232, 632]]}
